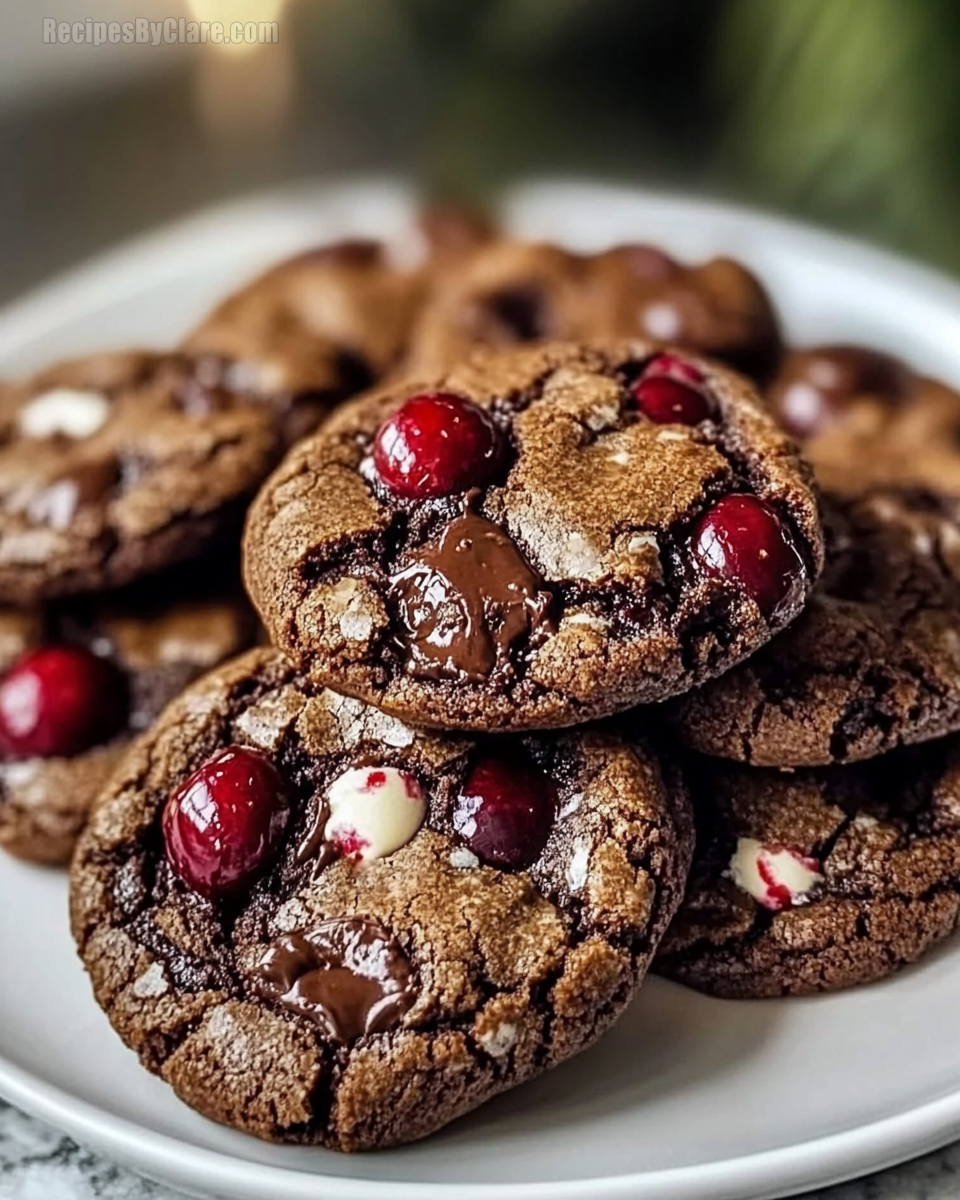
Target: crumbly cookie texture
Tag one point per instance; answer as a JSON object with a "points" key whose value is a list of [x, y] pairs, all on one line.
{"points": [[508, 292], [118, 465], [819, 879], [457, 980], [593, 510], [326, 323], [160, 636], [872, 663]]}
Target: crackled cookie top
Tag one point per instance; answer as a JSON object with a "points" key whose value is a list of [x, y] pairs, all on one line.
{"points": [[819, 879], [320, 925], [117, 465], [539, 537], [326, 323], [510, 292], [80, 678], [866, 420], [873, 662]]}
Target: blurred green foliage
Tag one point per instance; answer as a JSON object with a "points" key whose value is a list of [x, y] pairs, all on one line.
{"points": [[849, 111], [844, 111]]}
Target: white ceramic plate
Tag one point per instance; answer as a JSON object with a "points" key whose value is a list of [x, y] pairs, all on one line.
{"points": [[688, 1098]]}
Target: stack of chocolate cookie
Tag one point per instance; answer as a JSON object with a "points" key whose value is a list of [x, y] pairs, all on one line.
{"points": [[831, 855], [124, 483], [428, 842]]}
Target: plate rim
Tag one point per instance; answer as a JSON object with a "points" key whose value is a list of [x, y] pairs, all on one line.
{"points": [[773, 1173], [765, 1175]]}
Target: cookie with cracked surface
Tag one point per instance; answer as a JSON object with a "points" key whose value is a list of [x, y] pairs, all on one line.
{"points": [[820, 879], [866, 420], [540, 537], [320, 326], [510, 292], [872, 663], [396, 925], [81, 678], [122, 464]]}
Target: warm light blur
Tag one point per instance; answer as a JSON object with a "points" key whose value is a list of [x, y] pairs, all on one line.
{"points": [[237, 98], [228, 11]]}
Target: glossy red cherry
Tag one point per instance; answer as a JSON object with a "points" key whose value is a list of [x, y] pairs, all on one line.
{"points": [[505, 811], [669, 402], [741, 539], [222, 826], [435, 445], [57, 701], [670, 392]]}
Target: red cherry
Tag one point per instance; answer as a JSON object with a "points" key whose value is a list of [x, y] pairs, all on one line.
{"points": [[58, 701], [505, 810], [223, 824], [670, 392], [435, 445], [742, 540], [674, 367], [669, 402]]}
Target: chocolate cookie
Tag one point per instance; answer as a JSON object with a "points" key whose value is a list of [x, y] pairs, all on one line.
{"points": [[818, 880], [322, 325], [510, 292], [118, 465], [322, 926], [874, 662], [866, 420], [83, 677], [538, 538]]}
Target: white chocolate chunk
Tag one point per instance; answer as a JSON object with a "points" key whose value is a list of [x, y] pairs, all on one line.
{"points": [[643, 541], [67, 411], [152, 983], [579, 863], [373, 812], [462, 858], [500, 1041], [776, 878]]}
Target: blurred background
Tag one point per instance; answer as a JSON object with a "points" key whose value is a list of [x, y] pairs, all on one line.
{"points": [[846, 112]]}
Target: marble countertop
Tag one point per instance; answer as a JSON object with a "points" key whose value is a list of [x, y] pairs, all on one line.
{"points": [[37, 1163]]}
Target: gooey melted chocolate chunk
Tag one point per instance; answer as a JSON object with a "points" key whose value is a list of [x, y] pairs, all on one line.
{"points": [[468, 601], [347, 974]]}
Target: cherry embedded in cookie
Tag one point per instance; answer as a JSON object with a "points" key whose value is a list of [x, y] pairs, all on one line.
{"points": [[667, 401], [58, 701], [505, 810], [742, 540], [223, 824], [670, 392], [437, 444]]}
